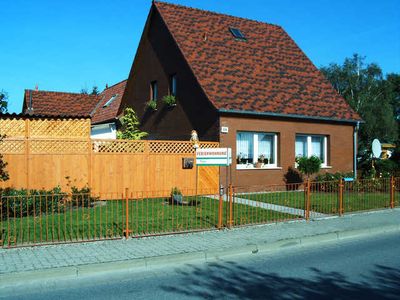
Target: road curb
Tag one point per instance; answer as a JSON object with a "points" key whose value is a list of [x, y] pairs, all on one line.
{"points": [[47, 276]]}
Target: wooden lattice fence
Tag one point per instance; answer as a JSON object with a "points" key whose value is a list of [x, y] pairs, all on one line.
{"points": [[44, 153]]}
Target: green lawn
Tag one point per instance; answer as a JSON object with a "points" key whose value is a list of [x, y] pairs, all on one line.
{"points": [[107, 219], [325, 202]]}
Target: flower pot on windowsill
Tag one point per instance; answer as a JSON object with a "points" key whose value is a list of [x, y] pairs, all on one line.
{"points": [[259, 165]]}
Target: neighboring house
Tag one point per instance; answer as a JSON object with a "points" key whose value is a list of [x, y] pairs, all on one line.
{"points": [[243, 83], [102, 108]]}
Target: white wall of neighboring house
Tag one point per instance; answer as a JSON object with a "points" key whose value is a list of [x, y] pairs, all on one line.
{"points": [[104, 131]]}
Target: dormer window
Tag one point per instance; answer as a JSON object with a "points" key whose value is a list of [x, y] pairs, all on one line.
{"points": [[111, 100], [237, 33]]}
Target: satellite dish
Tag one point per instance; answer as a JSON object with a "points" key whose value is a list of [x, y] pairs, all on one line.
{"points": [[376, 148]]}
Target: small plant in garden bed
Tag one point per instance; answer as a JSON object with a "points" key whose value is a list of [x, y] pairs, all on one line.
{"points": [[169, 100], [152, 104], [176, 196]]}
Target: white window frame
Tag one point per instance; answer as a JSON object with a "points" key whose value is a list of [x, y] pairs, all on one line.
{"points": [[309, 137], [255, 152]]}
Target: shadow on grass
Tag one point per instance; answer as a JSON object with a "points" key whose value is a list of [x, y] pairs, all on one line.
{"points": [[231, 280]]}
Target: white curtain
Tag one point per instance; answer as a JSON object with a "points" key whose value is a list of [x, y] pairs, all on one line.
{"points": [[301, 146], [244, 145], [265, 146], [317, 146]]}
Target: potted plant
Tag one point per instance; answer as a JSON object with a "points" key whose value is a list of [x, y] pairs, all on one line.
{"points": [[169, 100], [152, 104], [176, 196], [239, 158], [260, 161]]}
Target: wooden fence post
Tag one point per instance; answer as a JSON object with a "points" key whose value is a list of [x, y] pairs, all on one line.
{"points": [[392, 191], [27, 151]]}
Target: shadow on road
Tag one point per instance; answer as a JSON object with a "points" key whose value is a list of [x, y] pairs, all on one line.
{"points": [[230, 279]]}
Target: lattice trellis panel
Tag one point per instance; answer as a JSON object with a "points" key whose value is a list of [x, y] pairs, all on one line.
{"points": [[59, 128], [170, 147], [12, 127], [58, 146], [118, 146], [12, 146], [209, 145], [151, 147]]}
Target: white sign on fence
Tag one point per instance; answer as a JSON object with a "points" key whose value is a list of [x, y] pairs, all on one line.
{"points": [[214, 157]]}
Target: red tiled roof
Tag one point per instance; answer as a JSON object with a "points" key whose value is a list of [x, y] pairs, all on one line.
{"points": [[101, 113], [47, 103], [62, 104], [266, 73]]}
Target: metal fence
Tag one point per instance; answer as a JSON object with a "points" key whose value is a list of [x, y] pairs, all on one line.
{"points": [[39, 218]]}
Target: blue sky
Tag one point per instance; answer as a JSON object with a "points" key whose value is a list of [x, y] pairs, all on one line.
{"points": [[69, 45]]}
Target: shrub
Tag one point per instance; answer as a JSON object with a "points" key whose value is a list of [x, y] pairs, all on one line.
{"points": [[23, 202], [169, 100], [308, 165], [293, 179], [152, 104], [81, 197]]}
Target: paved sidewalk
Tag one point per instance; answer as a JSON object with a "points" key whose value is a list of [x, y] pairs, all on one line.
{"points": [[279, 208], [23, 264], [274, 207]]}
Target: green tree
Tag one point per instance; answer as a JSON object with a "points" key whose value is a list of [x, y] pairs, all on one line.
{"points": [[130, 126], [95, 91], [3, 101], [369, 94]]}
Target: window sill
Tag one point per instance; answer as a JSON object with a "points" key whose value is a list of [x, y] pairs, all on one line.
{"points": [[326, 167], [251, 167]]}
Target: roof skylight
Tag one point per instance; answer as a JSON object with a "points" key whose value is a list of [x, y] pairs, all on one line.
{"points": [[237, 33], [110, 101]]}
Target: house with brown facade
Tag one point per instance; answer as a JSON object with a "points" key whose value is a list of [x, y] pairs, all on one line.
{"points": [[243, 83], [102, 109]]}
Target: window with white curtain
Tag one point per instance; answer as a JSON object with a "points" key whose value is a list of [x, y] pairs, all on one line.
{"points": [[309, 145], [256, 147]]}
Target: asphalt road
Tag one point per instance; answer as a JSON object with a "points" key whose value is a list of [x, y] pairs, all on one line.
{"points": [[367, 268]]}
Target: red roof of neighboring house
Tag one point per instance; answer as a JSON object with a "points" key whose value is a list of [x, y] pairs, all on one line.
{"points": [[62, 104], [48, 103], [104, 113], [265, 73]]}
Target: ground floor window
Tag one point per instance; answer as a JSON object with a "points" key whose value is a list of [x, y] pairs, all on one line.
{"points": [[256, 149], [308, 145]]}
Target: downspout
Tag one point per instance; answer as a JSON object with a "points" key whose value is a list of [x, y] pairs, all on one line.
{"points": [[355, 138]]}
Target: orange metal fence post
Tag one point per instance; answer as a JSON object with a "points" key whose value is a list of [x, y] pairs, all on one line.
{"points": [[220, 207], [126, 213], [230, 224], [340, 197], [308, 200], [392, 191]]}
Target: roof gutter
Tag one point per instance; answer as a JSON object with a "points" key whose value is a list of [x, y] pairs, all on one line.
{"points": [[270, 114]]}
